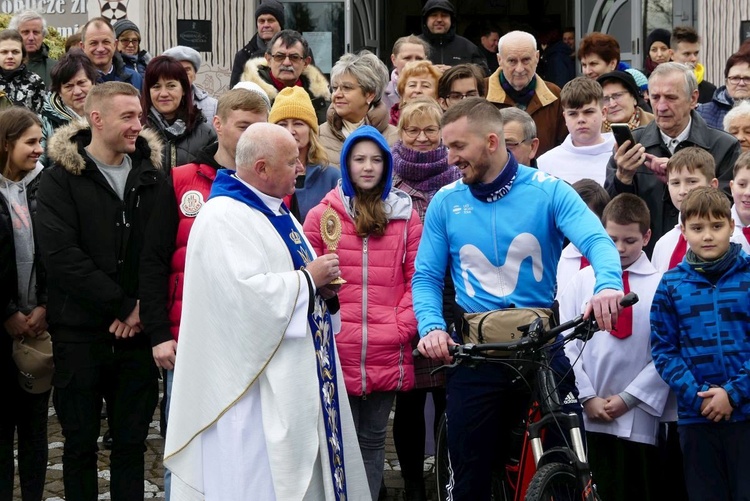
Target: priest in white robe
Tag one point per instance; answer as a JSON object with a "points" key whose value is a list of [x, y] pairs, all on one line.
{"points": [[259, 408]]}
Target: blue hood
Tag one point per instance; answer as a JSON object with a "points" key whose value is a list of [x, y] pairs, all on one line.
{"points": [[366, 132]]}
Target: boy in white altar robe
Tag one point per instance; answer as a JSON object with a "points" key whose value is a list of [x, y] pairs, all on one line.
{"points": [[623, 396], [259, 409]]}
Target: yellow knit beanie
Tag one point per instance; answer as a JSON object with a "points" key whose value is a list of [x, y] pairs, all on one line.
{"points": [[294, 102]]}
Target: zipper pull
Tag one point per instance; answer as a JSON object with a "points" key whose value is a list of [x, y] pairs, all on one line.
{"points": [[364, 245]]}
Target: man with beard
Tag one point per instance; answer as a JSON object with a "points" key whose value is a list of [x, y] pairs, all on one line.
{"points": [[528, 215]]}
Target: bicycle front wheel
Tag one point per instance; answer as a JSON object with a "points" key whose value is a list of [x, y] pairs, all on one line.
{"points": [[554, 482]]}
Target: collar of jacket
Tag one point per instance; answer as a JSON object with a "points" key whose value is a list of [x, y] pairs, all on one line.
{"points": [[313, 81], [66, 146], [496, 93], [699, 133], [41, 54]]}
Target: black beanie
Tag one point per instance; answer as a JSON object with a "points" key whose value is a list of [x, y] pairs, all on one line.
{"points": [[273, 8], [658, 35]]}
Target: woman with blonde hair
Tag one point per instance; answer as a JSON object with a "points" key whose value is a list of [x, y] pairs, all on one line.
{"points": [[420, 168], [357, 84], [405, 50], [293, 110], [418, 78]]}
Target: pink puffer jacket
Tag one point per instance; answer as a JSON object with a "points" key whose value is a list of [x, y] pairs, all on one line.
{"points": [[377, 316]]}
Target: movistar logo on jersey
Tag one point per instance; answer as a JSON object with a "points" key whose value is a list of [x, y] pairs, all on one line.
{"points": [[501, 280]]}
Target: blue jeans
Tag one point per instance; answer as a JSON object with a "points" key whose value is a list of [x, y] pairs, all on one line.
{"points": [[370, 415], [167, 473]]}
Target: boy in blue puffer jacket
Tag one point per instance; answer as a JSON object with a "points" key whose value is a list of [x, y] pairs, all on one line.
{"points": [[700, 319]]}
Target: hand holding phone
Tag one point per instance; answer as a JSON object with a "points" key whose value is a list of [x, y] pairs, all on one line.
{"points": [[622, 133]]}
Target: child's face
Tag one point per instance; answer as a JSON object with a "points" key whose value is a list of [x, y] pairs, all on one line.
{"points": [[585, 123], [708, 237], [740, 187], [682, 181], [629, 241], [366, 164]]}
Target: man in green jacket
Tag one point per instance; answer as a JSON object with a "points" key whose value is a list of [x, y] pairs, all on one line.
{"points": [[33, 28]]}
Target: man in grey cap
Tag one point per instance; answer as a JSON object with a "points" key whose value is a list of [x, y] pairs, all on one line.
{"points": [[191, 61], [269, 17], [128, 37], [33, 28]]}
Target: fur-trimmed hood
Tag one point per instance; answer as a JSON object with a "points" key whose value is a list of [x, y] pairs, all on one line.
{"points": [[314, 82], [64, 147]]}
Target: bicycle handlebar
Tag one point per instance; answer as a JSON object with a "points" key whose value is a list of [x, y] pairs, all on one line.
{"points": [[537, 336]]}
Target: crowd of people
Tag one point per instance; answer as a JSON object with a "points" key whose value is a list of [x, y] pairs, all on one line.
{"points": [[274, 254]]}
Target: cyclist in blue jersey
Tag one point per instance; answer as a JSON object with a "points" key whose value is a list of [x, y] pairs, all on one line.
{"points": [[500, 230]]}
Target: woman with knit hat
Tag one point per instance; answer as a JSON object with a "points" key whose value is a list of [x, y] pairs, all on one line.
{"points": [[293, 110], [657, 49], [128, 37], [420, 168], [380, 232]]}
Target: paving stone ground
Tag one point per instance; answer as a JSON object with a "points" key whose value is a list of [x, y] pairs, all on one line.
{"points": [[154, 484]]}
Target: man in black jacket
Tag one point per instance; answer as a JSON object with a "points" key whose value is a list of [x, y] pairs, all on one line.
{"points": [[439, 30], [269, 17], [94, 203], [673, 92]]}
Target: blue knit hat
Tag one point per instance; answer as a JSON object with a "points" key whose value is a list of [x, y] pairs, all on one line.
{"points": [[366, 132], [640, 79]]}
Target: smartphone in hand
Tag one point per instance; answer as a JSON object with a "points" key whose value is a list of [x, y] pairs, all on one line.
{"points": [[622, 133]]}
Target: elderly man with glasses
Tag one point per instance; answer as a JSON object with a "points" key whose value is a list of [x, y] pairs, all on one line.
{"points": [[287, 63], [736, 88]]}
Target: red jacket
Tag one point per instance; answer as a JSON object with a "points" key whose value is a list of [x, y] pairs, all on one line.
{"points": [[377, 316], [192, 185]]}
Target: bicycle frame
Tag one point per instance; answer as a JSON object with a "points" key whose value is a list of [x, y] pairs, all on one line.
{"points": [[549, 411]]}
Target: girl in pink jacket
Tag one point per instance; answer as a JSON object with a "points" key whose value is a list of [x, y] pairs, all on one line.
{"points": [[379, 240]]}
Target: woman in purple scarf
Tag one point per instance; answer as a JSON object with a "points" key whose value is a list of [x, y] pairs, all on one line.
{"points": [[420, 168]]}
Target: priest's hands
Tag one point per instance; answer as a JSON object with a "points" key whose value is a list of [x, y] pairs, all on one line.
{"points": [[324, 269]]}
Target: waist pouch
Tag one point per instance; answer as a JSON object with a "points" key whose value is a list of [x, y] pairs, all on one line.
{"points": [[502, 326]]}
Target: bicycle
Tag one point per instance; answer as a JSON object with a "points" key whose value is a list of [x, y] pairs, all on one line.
{"points": [[560, 473]]}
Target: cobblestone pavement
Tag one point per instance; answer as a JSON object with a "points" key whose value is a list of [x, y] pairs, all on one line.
{"points": [[154, 484]]}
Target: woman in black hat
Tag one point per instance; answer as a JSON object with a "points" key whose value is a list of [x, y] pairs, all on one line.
{"points": [[657, 49], [128, 37], [621, 98]]}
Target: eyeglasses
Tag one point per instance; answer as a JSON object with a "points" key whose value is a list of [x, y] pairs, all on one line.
{"points": [[414, 132], [346, 88], [513, 146], [456, 96], [614, 97], [129, 41], [735, 80], [280, 57]]}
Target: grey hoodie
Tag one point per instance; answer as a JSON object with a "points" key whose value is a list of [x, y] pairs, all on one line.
{"points": [[14, 193]]}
